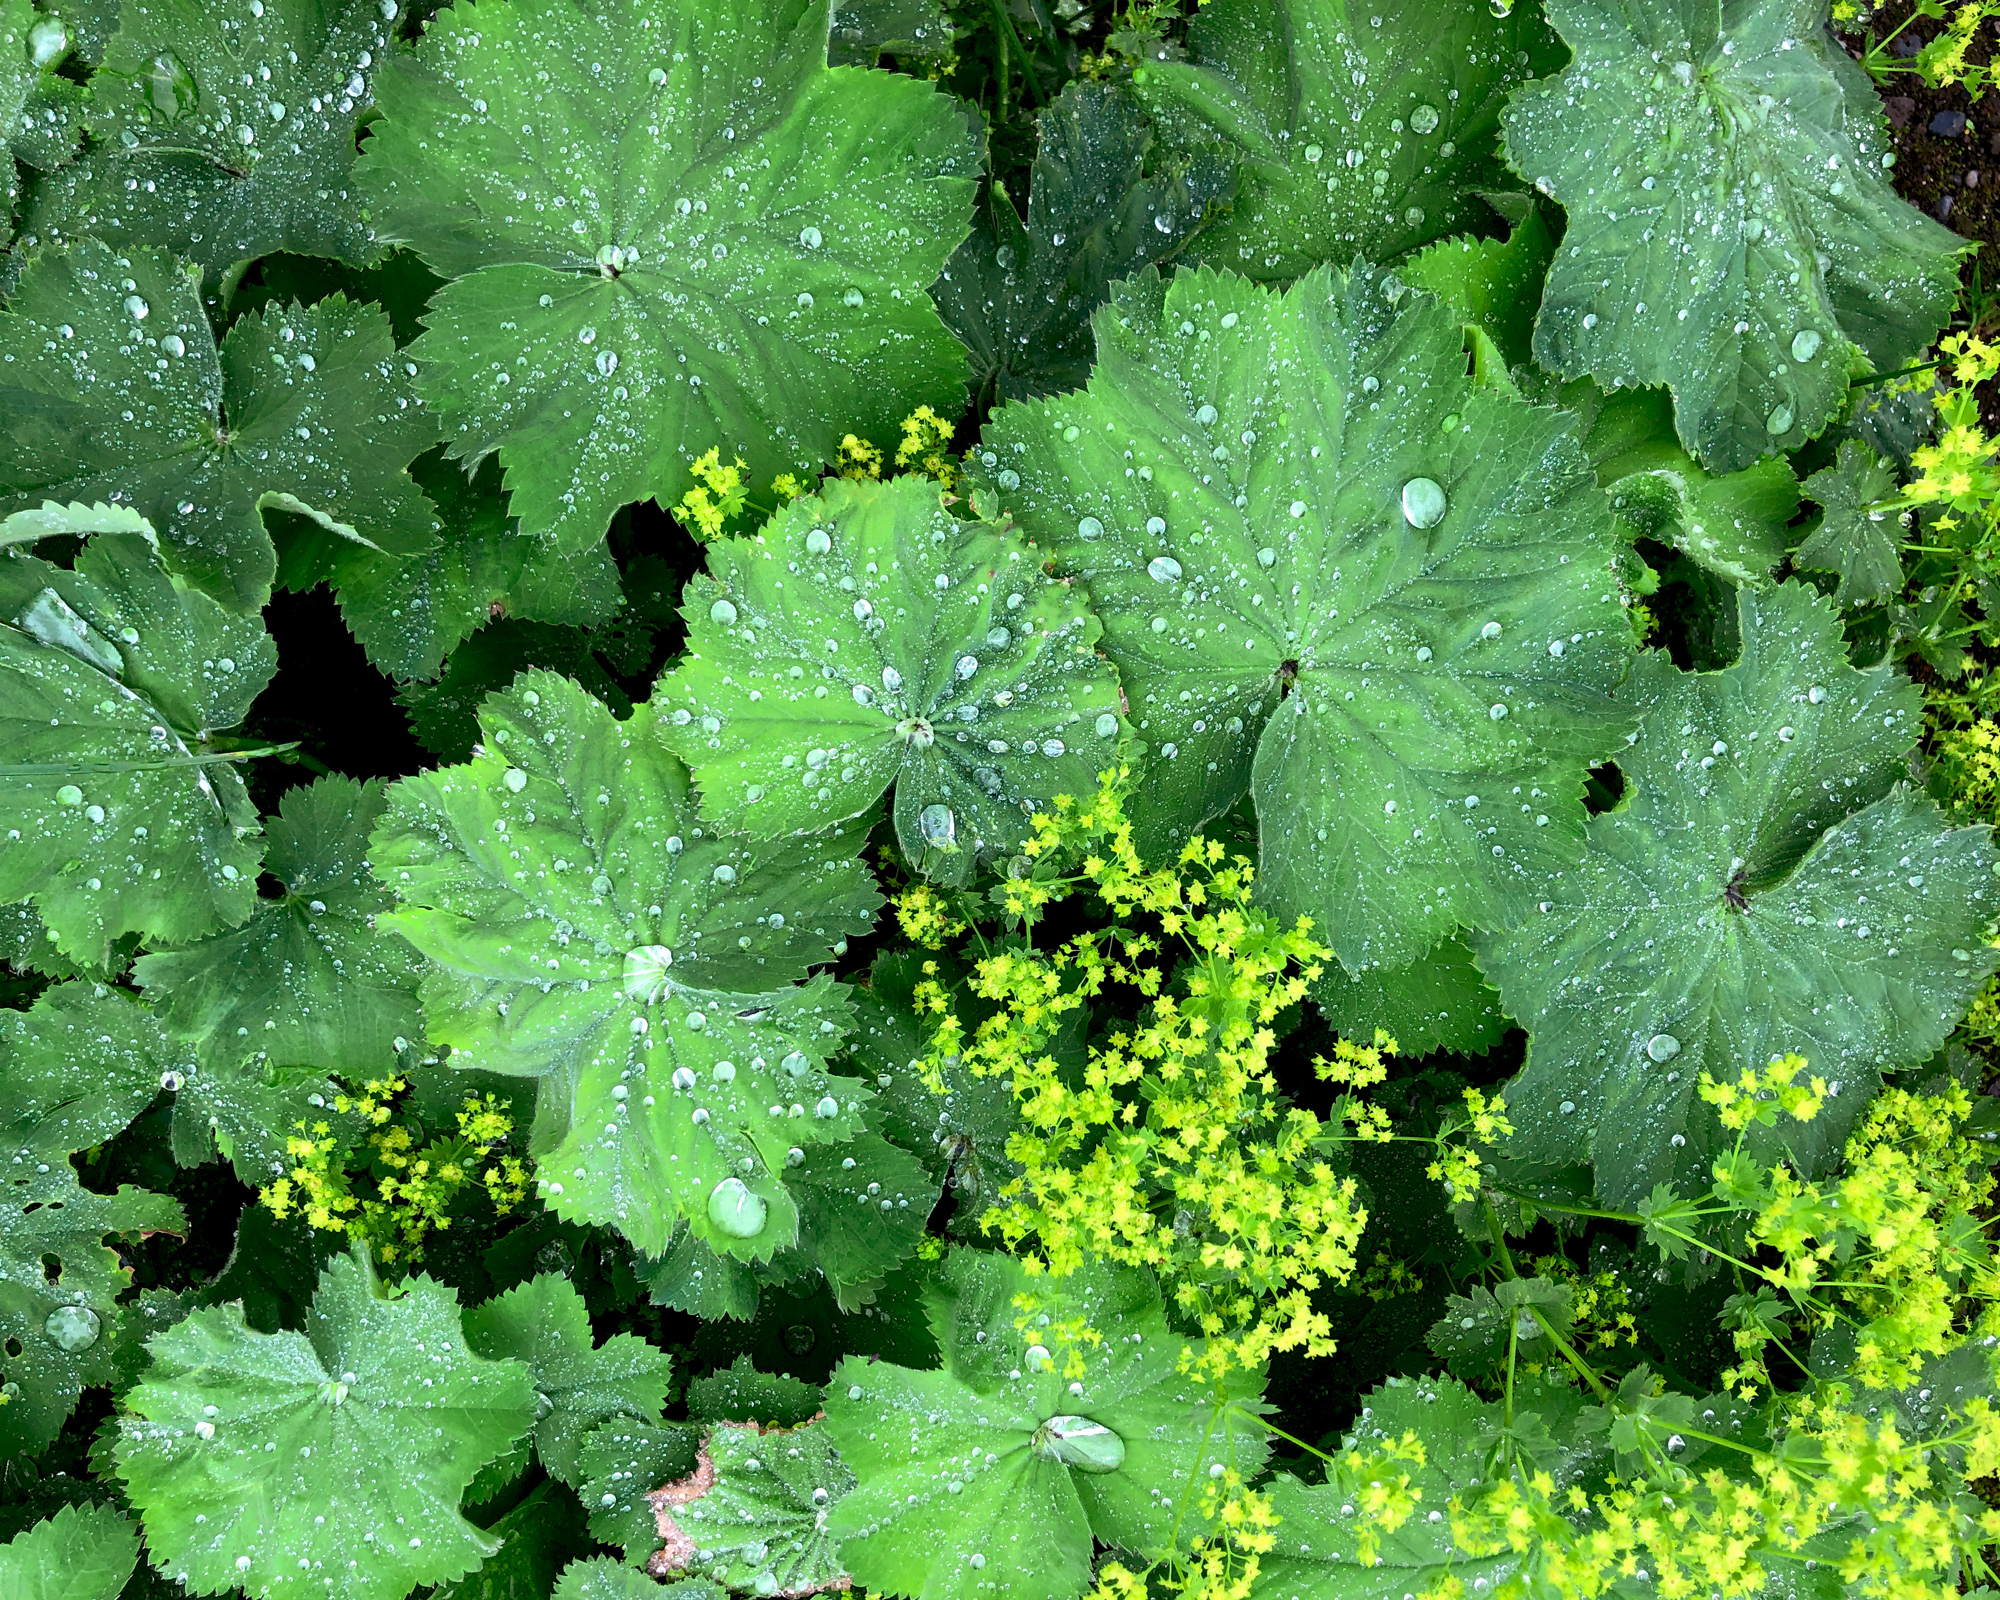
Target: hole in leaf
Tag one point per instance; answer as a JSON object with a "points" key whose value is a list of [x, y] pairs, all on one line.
{"points": [[1603, 788]]}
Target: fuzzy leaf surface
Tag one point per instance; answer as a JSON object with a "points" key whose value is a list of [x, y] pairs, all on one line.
{"points": [[1359, 137], [119, 817], [115, 386], [753, 1517], [1440, 1001], [1019, 292], [913, 650], [778, 222], [1409, 707], [1863, 546], [578, 1385], [371, 1381], [1766, 886], [75, 1069], [538, 889], [83, 1552], [308, 980], [182, 84], [1732, 231], [960, 1481]]}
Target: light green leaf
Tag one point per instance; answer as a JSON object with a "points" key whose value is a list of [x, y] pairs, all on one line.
{"points": [[577, 1385], [583, 927], [1862, 545], [115, 389], [1363, 136], [1735, 526], [740, 1393], [673, 227], [1316, 1556], [75, 519], [1762, 889], [309, 981], [862, 1207], [120, 814], [1101, 205], [1399, 636], [604, 1579], [622, 1464], [753, 1515], [997, 1472], [1494, 284], [1732, 230], [1440, 1001], [867, 638], [225, 134], [410, 612], [83, 1552], [255, 1457], [75, 1069]]}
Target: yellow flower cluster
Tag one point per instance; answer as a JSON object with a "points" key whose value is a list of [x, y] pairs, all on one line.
{"points": [[1944, 59], [925, 446], [1965, 763], [1759, 1097], [717, 494], [414, 1187], [1459, 1166], [926, 917], [1600, 1304], [1172, 1149]]}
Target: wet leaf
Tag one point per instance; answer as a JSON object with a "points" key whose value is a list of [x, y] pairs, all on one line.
{"points": [[1865, 547], [81, 1553], [753, 1515]]}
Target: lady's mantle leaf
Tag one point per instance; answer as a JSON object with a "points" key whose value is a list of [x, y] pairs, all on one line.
{"points": [[83, 1552], [1473, 1334], [577, 1385], [1762, 889], [622, 1463], [1732, 232], [1317, 1555], [674, 227], [114, 388], [1863, 546], [1333, 572], [226, 133], [309, 980], [865, 638], [1020, 293], [118, 815], [258, 1459], [1440, 1001], [753, 1515], [604, 1579], [1361, 134], [996, 1473], [585, 928], [74, 1070]]}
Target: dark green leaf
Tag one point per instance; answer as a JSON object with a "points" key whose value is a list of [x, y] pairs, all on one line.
{"points": [[1864, 546], [753, 1515], [1440, 1001]]}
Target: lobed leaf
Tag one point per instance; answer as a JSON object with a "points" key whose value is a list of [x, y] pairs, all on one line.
{"points": [[1862, 545], [753, 1515], [83, 1552]]}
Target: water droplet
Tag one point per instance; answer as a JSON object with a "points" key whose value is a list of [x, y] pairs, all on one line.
{"points": [[48, 42], [795, 1065], [1423, 119], [137, 308], [1490, 631], [1007, 478], [1090, 528], [72, 1328], [723, 612], [1497, 711], [1156, 526], [1805, 345], [1780, 419], [170, 90], [607, 362], [1163, 569], [1663, 1047], [1786, 735], [852, 296], [1079, 1442], [819, 542], [646, 972], [735, 1210], [809, 236], [724, 873], [827, 1107], [1423, 503], [938, 827], [1205, 414], [515, 779], [1816, 694], [1107, 725], [69, 795]]}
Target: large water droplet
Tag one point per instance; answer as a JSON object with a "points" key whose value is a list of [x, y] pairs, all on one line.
{"points": [[938, 826], [1107, 725], [1663, 1047], [809, 237], [1780, 420], [1163, 569], [73, 1328], [1805, 345], [170, 90], [646, 971], [1089, 528], [735, 1210], [819, 542], [1205, 415], [48, 42], [723, 612], [1423, 503], [1081, 1443], [1423, 119]]}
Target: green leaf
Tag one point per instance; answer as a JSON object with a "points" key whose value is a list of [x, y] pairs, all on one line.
{"points": [[1102, 204], [37, 108], [81, 1553], [612, 945], [115, 388], [128, 820], [962, 675], [866, 30], [998, 1471], [1316, 1555], [577, 1385], [535, 1537], [604, 1579], [862, 1209], [673, 227], [279, 1442], [753, 1515], [1494, 284], [622, 1463], [308, 980], [1863, 546], [224, 136], [1282, 625], [272, 1268], [1440, 1001], [445, 715], [52, 519], [1762, 889], [1359, 139], [244, 1107], [1732, 230], [27, 945], [1471, 1336], [409, 613], [1735, 526], [740, 1393], [74, 1071]]}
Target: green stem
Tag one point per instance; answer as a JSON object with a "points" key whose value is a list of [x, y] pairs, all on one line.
{"points": [[1028, 77]]}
